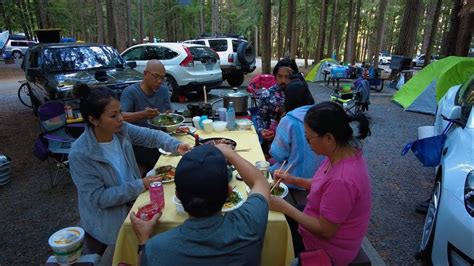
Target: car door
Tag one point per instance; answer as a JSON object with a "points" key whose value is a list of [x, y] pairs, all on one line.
{"points": [[136, 54]]}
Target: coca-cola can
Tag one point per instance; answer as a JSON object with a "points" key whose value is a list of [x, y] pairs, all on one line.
{"points": [[157, 194]]}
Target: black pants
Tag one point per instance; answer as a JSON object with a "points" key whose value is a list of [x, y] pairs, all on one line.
{"points": [[93, 246], [146, 157]]}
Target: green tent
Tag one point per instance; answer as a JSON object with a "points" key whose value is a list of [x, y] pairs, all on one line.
{"points": [[422, 92], [316, 73]]}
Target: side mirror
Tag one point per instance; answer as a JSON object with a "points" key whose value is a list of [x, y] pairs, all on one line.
{"points": [[33, 72], [453, 113], [132, 64]]}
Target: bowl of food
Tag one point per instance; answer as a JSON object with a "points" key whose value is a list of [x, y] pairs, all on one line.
{"points": [[233, 202], [166, 122], [243, 124], [216, 141], [281, 190]]}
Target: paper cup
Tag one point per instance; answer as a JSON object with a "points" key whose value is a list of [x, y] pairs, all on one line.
{"points": [[425, 132]]}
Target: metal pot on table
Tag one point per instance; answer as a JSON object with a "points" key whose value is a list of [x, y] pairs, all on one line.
{"points": [[239, 98]]}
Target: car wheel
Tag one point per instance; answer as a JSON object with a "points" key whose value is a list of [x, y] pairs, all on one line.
{"points": [[245, 53], [16, 54], [235, 79], [173, 88], [429, 226]]}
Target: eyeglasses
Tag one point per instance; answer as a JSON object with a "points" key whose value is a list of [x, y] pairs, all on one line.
{"points": [[157, 76]]}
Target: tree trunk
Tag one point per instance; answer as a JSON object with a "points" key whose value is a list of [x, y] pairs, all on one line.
{"points": [[408, 28], [279, 38], [82, 26], [429, 19], [120, 12], [201, 16], [380, 31], [129, 23], [6, 17], [305, 33], [24, 20], [466, 27], [294, 31], [151, 22], [141, 22], [347, 47], [266, 43], [321, 31], [289, 28], [30, 17], [43, 17], [100, 21], [332, 32], [215, 16], [355, 33], [110, 23], [434, 25]]}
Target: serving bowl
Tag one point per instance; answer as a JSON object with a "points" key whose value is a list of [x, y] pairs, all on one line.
{"points": [[166, 122], [243, 124], [219, 126]]}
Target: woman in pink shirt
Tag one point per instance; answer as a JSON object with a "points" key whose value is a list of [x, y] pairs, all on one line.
{"points": [[337, 213]]}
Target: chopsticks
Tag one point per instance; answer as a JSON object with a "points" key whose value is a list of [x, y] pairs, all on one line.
{"points": [[277, 183]]}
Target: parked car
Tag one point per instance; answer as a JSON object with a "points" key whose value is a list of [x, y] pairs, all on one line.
{"points": [[448, 231], [18, 48], [237, 56], [188, 66], [419, 60], [52, 69], [385, 58]]}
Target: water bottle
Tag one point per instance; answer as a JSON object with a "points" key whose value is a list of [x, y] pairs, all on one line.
{"points": [[230, 117]]}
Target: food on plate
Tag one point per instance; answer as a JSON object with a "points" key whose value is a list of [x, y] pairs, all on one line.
{"points": [[233, 199], [216, 141], [280, 191], [166, 173], [183, 130]]}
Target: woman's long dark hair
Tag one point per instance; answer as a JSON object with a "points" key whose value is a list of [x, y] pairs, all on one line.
{"points": [[330, 117], [93, 100]]}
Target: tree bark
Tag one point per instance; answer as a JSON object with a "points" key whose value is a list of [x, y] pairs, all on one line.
{"points": [[141, 22], [129, 23], [429, 19], [466, 27], [151, 21], [31, 19], [347, 49], [42, 13], [434, 25], [289, 27], [408, 28], [321, 31], [100, 21], [24, 19], [380, 31], [215, 16], [332, 32], [305, 33], [355, 33], [201, 16], [82, 26], [279, 38], [266, 36], [120, 12], [294, 31], [110, 23]]}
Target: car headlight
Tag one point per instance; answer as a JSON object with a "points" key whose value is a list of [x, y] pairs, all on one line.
{"points": [[469, 193]]}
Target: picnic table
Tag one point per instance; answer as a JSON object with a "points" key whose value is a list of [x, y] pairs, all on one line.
{"points": [[278, 245]]}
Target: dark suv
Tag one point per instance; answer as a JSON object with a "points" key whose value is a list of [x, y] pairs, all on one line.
{"points": [[52, 69]]}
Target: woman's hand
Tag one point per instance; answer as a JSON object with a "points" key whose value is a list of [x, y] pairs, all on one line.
{"points": [[150, 179], [143, 229], [287, 178], [277, 204], [183, 148]]}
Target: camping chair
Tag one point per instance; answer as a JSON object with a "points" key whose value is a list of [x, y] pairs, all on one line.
{"points": [[258, 84], [54, 133]]}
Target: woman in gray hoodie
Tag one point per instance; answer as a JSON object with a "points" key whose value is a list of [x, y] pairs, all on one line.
{"points": [[103, 166]]}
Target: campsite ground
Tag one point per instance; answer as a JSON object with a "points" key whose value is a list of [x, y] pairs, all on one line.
{"points": [[33, 210]]}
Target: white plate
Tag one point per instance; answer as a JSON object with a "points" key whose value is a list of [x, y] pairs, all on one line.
{"points": [[192, 130], [152, 173], [236, 206], [285, 190]]}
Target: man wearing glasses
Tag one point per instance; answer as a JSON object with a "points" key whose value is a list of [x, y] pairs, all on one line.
{"points": [[143, 101]]}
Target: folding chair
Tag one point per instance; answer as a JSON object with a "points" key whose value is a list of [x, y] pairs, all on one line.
{"points": [[54, 131], [258, 84]]}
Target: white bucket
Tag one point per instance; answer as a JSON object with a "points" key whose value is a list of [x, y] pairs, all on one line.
{"points": [[425, 132], [67, 244]]}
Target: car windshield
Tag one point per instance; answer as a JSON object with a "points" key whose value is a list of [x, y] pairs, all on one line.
{"points": [[65, 59]]}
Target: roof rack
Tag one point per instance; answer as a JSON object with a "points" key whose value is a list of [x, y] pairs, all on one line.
{"points": [[220, 35]]}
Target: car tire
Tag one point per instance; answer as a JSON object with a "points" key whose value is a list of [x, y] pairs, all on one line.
{"points": [[245, 53], [429, 227], [235, 79], [17, 54], [173, 88]]}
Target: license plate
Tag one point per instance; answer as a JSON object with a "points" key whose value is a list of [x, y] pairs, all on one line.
{"points": [[209, 66]]}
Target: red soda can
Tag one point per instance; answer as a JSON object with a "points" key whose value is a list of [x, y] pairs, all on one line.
{"points": [[148, 211], [157, 194]]}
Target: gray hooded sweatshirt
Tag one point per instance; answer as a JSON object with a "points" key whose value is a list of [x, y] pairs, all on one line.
{"points": [[102, 198]]}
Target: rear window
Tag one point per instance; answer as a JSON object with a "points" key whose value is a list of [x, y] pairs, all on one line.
{"points": [[203, 53], [235, 44], [218, 45]]}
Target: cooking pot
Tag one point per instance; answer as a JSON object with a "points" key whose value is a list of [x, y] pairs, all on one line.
{"points": [[200, 109], [240, 100]]}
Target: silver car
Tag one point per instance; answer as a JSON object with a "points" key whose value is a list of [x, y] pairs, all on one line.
{"points": [[18, 47]]}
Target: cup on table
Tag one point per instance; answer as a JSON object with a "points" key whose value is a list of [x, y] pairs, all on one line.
{"points": [[207, 125], [222, 112], [196, 120], [263, 167]]}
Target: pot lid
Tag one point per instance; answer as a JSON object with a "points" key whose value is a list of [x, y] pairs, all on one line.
{"points": [[237, 94]]}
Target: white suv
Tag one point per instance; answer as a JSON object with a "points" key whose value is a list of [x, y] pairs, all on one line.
{"points": [[237, 56], [188, 66], [18, 47]]}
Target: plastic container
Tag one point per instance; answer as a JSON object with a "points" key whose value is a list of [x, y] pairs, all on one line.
{"points": [[243, 124], [179, 205], [207, 125], [222, 111], [219, 126], [67, 244], [230, 117]]}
